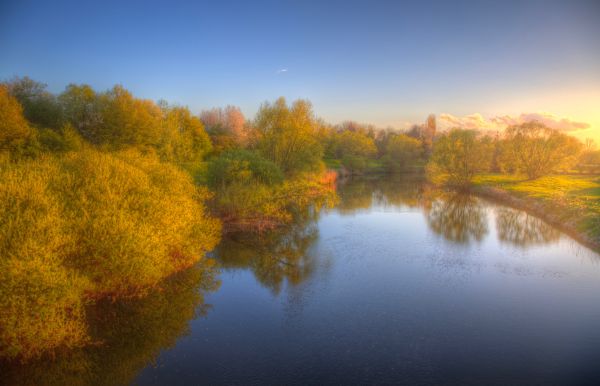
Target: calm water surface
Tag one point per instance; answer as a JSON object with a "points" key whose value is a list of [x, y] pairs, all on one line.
{"points": [[397, 284]]}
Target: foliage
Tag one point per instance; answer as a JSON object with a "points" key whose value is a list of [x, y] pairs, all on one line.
{"points": [[127, 121], [402, 152], [183, 138], [589, 162], [288, 136], [40, 107], [60, 141], [246, 201], [82, 108], [15, 132], [86, 225], [537, 150], [458, 155], [227, 127], [242, 166]]}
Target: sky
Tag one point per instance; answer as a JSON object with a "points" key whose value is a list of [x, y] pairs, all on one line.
{"points": [[390, 63]]}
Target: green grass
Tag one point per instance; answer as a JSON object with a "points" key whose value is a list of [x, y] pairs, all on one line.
{"points": [[577, 194]]}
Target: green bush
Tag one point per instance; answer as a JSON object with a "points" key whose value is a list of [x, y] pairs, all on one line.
{"points": [[242, 166]]}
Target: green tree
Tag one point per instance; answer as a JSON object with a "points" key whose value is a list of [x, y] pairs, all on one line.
{"points": [[288, 136], [537, 150], [402, 153], [458, 155], [82, 108], [40, 107]]}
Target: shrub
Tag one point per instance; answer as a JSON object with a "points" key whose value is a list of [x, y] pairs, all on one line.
{"points": [[86, 225], [40, 298]]}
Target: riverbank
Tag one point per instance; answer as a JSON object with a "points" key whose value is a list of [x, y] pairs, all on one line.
{"points": [[569, 202]]}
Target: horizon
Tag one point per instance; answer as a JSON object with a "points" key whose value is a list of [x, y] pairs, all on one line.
{"points": [[385, 64]]}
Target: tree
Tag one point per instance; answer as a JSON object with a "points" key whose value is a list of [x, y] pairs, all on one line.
{"points": [[183, 138], [14, 128], [288, 136], [402, 152], [128, 121], [537, 150], [82, 108], [425, 133], [227, 127], [459, 154], [40, 107], [354, 147]]}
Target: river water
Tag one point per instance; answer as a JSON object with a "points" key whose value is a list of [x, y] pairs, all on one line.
{"points": [[399, 283]]}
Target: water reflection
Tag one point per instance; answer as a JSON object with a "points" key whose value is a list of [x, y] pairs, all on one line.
{"points": [[274, 257], [458, 217], [129, 334], [522, 229], [361, 194]]}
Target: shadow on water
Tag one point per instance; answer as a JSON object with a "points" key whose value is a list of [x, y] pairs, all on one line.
{"points": [[129, 334]]}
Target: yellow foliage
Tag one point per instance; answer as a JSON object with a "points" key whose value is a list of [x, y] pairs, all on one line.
{"points": [[85, 225], [14, 129]]}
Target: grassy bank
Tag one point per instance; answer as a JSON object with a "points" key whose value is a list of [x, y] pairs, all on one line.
{"points": [[571, 202]]}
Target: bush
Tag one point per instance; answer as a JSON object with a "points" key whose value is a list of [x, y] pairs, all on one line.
{"points": [[40, 297], [242, 166], [88, 225]]}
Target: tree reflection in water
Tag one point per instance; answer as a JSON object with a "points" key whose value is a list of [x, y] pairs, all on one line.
{"points": [[129, 335], [358, 194], [458, 217], [274, 257], [522, 229]]}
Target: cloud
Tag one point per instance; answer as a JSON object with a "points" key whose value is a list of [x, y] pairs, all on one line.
{"points": [[282, 71], [477, 121]]}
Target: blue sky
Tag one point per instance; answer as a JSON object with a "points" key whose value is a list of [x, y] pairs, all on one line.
{"points": [[385, 62]]}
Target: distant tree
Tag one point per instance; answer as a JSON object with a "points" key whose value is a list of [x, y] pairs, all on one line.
{"points": [[424, 133], [288, 136], [183, 138], [226, 126], [40, 107], [82, 108], [428, 133], [128, 121], [14, 128], [402, 152], [355, 144], [459, 154], [537, 150], [589, 144]]}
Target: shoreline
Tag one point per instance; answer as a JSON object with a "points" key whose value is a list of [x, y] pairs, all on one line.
{"points": [[558, 217]]}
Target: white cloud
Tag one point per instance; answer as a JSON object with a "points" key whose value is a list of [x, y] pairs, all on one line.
{"points": [[282, 71], [499, 122]]}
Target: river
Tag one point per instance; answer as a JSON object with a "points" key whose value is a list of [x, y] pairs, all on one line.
{"points": [[399, 283]]}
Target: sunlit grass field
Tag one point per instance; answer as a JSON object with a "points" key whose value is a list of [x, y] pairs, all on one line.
{"points": [[579, 194]]}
